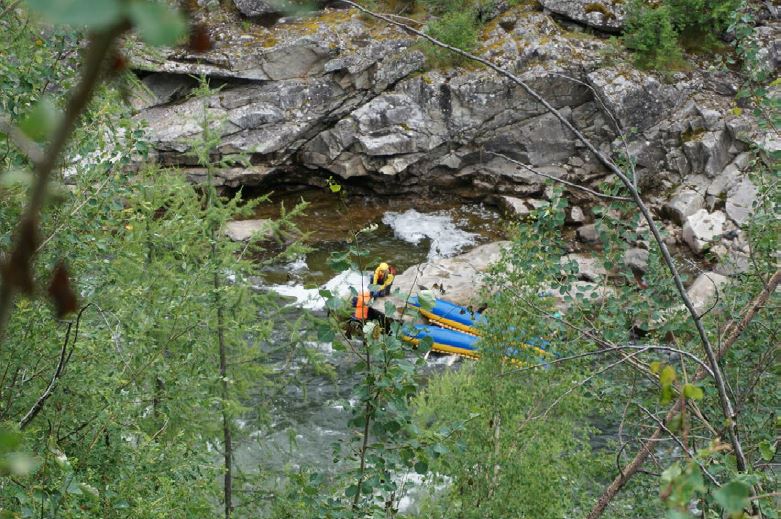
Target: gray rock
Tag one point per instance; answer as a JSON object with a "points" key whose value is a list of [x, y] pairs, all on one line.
{"points": [[243, 230], [701, 228], [588, 268], [709, 153], [636, 99], [458, 279], [576, 215], [733, 263], [684, 203], [636, 259], [588, 233], [520, 207], [255, 8], [706, 288], [740, 201], [606, 16]]}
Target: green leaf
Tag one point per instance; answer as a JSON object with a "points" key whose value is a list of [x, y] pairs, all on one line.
{"points": [[693, 392], [667, 376], [421, 467], [351, 490], [157, 23], [40, 122], [733, 496], [767, 450], [89, 13], [426, 299]]}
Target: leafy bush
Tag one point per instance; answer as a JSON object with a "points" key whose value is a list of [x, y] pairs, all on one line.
{"points": [[458, 29]]}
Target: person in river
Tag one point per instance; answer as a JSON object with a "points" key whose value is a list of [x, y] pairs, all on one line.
{"points": [[383, 279]]}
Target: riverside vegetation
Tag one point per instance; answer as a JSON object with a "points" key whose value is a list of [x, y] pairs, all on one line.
{"points": [[132, 342]]}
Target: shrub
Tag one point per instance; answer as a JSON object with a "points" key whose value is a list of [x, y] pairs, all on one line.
{"points": [[651, 35], [440, 7], [458, 29], [657, 33]]}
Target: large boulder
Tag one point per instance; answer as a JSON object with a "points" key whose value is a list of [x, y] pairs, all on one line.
{"points": [[683, 204], [458, 279], [740, 201], [636, 259], [520, 207], [702, 228], [243, 230], [705, 290], [607, 15]]}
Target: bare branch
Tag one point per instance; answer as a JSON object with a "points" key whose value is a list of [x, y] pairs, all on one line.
{"points": [[64, 357], [733, 331], [680, 444], [726, 403], [559, 180]]}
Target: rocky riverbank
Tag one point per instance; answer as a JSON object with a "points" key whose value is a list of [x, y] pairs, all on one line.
{"points": [[339, 95]]}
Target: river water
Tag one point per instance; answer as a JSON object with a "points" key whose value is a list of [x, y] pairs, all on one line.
{"points": [[309, 414]]}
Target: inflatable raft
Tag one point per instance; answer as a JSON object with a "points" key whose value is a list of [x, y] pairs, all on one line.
{"points": [[455, 331], [445, 341], [450, 315]]}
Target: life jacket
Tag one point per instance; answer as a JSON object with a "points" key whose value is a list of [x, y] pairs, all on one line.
{"points": [[362, 305]]}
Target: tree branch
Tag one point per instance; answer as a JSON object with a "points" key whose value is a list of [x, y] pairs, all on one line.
{"points": [[680, 444], [64, 358], [29, 147], [23, 250], [718, 376], [734, 329], [559, 180]]}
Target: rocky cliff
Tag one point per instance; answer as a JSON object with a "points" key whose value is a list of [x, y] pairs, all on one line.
{"points": [[338, 94]]}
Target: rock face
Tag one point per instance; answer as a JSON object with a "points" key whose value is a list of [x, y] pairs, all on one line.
{"points": [[335, 95], [702, 228], [605, 15]]}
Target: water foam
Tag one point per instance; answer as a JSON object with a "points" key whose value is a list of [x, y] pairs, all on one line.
{"points": [[446, 238], [310, 298]]}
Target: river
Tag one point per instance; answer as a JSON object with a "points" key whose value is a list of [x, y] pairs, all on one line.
{"points": [[309, 414]]}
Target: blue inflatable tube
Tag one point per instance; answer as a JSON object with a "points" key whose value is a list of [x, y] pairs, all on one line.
{"points": [[451, 315]]}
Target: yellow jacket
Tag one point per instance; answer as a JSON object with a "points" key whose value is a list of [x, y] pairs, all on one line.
{"points": [[382, 276]]}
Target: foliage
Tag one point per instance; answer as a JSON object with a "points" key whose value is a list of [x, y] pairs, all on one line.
{"points": [[127, 423], [651, 35], [655, 32], [457, 29]]}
